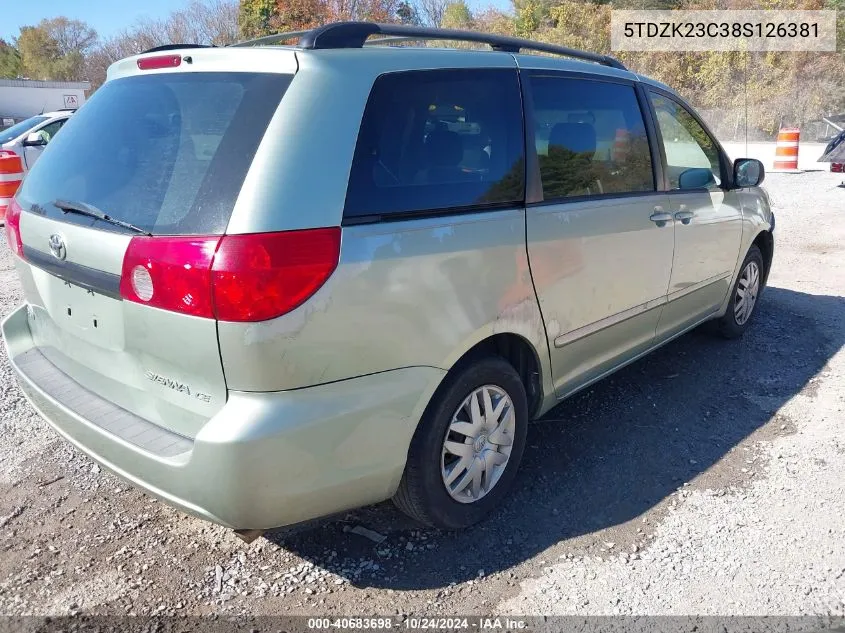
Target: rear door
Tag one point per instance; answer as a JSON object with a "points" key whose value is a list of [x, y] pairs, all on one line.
{"points": [[600, 240], [168, 153]]}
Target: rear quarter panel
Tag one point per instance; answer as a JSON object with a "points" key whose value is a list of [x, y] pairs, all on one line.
{"points": [[410, 293]]}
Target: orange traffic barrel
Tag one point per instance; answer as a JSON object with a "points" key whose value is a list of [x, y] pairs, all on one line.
{"points": [[11, 175], [621, 145], [786, 151]]}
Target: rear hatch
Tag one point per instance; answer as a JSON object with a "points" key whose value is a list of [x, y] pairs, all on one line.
{"points": [[121, 304]]}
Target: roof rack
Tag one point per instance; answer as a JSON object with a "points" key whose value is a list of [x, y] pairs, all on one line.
{"points": [[355, 35]]}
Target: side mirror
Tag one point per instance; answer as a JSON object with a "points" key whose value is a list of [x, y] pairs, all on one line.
{"points": [[748, 172], [696, 178], [35, 139]]}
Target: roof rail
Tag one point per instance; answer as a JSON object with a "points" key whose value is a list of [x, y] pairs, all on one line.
{"points": [[173, 47], [272, 39], [355, 35]]}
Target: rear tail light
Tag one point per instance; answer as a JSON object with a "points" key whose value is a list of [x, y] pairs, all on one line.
{"points": [[13, 228], [231, 278], [172, 273]]}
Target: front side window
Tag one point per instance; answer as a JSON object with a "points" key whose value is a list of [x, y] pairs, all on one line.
{"points": [[692, 157], [439, 140], [49, 131], [590, 137]]}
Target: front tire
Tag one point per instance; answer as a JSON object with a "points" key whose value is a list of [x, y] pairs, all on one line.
{"points": [[466, 451], [744, 295]]}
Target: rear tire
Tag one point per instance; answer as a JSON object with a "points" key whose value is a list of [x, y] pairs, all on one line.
{"points": [[745, 295], [463, 458]]}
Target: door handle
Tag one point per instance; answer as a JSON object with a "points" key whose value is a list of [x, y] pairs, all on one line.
{"points": [[683, 216], [660, 217]]}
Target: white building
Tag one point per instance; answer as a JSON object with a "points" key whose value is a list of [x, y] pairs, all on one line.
{"points": [[23, 98]]}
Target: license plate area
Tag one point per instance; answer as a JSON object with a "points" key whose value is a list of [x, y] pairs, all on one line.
{"points": [[79, 311]]}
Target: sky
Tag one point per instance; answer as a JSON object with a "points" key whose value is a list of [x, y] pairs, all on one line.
{"points": [[106, 16]]}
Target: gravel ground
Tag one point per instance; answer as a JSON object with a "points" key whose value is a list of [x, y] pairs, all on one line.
{"points": [[705, 479]]}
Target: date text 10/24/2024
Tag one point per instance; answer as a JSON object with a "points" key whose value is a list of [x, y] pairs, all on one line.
{"points": [[419, 623]]}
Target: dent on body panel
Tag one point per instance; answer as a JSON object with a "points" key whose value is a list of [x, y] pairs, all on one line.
{"points": [[519, 312], [404, 294]]}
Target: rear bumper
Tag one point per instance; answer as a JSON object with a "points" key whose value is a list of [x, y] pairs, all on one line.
{"points": [[265, 459]]}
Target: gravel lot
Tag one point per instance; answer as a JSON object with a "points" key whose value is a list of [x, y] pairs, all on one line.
{"points": [[705, 479]]}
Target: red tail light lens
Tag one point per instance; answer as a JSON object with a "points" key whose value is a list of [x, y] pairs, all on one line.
{"points": [[159, 61], [172, 273], [258, 277], [13, 228], [231, 278]]}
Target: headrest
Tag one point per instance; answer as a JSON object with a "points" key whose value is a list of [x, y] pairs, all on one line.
{"points": [[444, 149], [579, 138]]}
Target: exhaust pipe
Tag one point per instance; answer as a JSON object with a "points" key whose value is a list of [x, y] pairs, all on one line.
{"points": [[248, 536]]}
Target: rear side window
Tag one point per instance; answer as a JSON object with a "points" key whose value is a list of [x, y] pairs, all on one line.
{"points": [[167, 152], [591, 138], [438, 140]]}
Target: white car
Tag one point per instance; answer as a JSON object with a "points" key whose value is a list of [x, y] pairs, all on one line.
{"points": [[28, 138]]}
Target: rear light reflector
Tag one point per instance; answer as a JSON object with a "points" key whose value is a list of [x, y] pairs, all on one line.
{"points": [[159, 61], [241, 278], [172, 273], [13, 228]]}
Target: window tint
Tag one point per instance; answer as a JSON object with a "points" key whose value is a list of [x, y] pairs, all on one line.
{"points": [[167, 152], [590, 137], [690, 152], [440, 139]]}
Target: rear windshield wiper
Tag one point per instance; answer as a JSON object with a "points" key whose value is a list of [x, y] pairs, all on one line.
{"points": [[83, 208]]}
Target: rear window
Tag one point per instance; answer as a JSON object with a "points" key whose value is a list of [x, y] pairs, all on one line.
{"points": [[165, 152], [439, 140]]}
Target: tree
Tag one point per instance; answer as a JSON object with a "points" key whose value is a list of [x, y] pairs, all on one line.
{"points": [[431, 11], [71, 36], [201, 22], [10, 61], [55, 49], [457, 15], [39, 52], [254, 17], [406, 13], [264, 17]]}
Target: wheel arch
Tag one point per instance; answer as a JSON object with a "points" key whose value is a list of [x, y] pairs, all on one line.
{"points": [[765, 241], [520, 353]]}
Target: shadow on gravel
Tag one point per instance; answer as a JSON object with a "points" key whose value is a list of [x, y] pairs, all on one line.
{"points": [[607, 455]]}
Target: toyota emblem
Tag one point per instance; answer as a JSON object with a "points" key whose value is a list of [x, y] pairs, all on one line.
{"points": [[57, 246]]}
